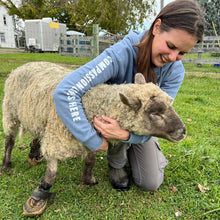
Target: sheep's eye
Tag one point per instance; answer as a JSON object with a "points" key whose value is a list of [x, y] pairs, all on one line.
{"points": [[157, 115], [157, 108]]}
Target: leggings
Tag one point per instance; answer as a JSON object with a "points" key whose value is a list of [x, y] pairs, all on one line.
{"points": [[146, 160]]}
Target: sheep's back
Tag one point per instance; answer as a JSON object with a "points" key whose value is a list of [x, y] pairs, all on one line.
{"points": [[29, 87]]}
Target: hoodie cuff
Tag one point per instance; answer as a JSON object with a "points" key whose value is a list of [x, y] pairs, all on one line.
{"points": [[137, 139]]}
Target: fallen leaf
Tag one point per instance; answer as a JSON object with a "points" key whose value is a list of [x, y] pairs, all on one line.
{"points": [[178, 213], [202, 189], [189, 119], [170, 155], [188, 137], [23, 146], [1, 172], [173, 188], [204, 157]]}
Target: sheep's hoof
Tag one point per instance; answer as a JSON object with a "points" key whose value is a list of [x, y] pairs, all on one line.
{"points": [[4, 170], [6, 167], [90, 182], [34, 160], [34, 207]]}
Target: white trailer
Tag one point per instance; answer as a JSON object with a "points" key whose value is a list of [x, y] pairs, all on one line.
{"points": [[43, 35]]}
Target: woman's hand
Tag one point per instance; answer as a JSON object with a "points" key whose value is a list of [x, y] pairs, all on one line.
{"points": [[110, 129]]}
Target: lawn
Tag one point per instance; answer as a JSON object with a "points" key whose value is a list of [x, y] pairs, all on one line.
{"points": [[193, 163], [11, 61]]}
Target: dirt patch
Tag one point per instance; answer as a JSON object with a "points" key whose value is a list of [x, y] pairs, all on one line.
{"points": [[213, 75], [11, 50]]}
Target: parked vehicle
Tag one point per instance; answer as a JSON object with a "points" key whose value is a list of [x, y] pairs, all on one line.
{"points": [[43, 35]]}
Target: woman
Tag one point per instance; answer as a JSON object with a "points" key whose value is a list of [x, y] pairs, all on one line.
{"points": [[156, 53]]}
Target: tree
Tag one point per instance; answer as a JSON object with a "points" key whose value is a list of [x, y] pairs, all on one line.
{"points": [[211, 10], [33, 9], [115, 16], [38, 9], [28, 10]]}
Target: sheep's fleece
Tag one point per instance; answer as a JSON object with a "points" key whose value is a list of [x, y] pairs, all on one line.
{"points": [[143, 109]]}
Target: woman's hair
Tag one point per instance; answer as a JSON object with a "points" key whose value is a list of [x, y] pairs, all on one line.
{"points": [[180, 14]]}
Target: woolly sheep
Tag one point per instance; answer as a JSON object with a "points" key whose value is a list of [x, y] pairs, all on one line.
{"points": [[141, 108]]}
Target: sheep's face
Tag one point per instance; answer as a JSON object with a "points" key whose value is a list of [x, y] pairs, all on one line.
{"points": [[164, 121], [155, 117], [154, 112]]}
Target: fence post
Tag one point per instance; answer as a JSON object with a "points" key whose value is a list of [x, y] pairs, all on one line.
{"points": [[199, 58], [95, 41]]}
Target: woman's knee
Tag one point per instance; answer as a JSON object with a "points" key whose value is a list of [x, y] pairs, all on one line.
{"points": [[150, 183], [147, 164]]}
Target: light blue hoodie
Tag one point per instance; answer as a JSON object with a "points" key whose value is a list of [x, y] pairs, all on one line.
{"points": [[115, 65]]}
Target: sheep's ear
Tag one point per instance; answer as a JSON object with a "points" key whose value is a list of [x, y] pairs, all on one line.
{"points": [[139, 78], [133, 103]]}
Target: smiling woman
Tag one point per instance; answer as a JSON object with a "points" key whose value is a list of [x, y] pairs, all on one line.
{"points": [[184, 15]]}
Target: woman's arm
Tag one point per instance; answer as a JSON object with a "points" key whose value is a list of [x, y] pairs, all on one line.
{"points": [[67, 98], [114, 65]]}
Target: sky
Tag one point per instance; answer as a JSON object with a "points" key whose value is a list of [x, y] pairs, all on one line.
{"points": [[165, 3], [148, 23]]}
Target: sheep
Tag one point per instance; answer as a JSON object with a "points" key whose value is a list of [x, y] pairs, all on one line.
{"points": [[142, 108]]}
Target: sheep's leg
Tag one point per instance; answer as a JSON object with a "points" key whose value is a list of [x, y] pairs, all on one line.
{"points": [[87, 177], [36, 204], [9, 144], [35, 155]]}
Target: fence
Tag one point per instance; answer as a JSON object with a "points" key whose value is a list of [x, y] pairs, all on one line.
{"points": [[86, 46], [76, 46], [210, 44]]}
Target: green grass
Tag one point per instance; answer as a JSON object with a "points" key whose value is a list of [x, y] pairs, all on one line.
{"points": [[193, 161], [11, 61]]}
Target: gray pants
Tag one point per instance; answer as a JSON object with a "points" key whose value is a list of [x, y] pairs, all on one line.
{"points": [[146, 160]]}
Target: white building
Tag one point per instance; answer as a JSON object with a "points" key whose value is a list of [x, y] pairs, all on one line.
{"points": [[7, 34]]}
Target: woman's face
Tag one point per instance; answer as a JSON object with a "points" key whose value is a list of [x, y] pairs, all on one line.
{"points": [[170, 46]]}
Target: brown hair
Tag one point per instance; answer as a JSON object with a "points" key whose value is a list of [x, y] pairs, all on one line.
{"points": [[180, 14]]}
